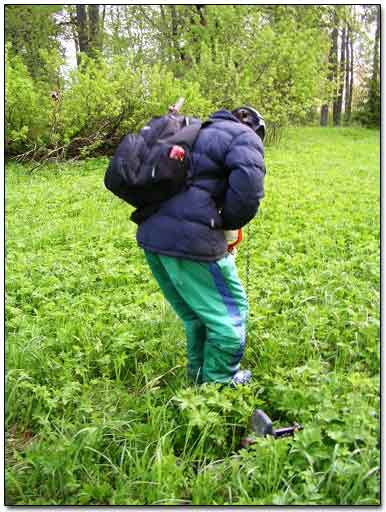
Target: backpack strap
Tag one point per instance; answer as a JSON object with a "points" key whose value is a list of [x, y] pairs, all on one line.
{"points": [[186, 136]]}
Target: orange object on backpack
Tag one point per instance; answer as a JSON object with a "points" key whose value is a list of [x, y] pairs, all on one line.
{"points": [[233, 238]]}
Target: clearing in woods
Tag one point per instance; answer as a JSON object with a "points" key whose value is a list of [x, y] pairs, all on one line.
{"points": [[98, 410]]}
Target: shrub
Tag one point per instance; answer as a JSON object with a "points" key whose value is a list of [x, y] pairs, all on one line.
{"points": [[100, 102], [26, 108]]}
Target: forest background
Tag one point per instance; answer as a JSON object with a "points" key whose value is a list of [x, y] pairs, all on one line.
{"points": [[78, 77], [98, 408]]}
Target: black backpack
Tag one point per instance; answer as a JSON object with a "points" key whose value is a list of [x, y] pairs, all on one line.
{"points": [[141, 171]]}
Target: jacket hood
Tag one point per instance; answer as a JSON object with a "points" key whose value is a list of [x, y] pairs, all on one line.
{"points": [[223, 115]]}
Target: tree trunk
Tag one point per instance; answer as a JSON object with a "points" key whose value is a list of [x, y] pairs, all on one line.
{"points": [[165, 46], [330, 77], [374, 77], [324, 115], [351, 77], [200, 8], [81, 22], [88, 28], [178, 51], [374, 101], [102, 27], [332, 65], [339, 100], [74, 33], [94, 29], [334, 68], [197, 36], [347, 75]]}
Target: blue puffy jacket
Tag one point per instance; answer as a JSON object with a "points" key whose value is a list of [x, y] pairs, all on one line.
{"points": [[226, 189]]}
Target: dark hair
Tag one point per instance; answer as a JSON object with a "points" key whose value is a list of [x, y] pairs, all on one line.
{"points": [[251, 117]]}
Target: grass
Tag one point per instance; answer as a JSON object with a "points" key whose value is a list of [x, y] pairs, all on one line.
{"points": [[98, 410]]}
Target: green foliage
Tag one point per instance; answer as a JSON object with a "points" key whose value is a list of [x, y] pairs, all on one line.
{"points": [[369, 111], [152, 55], [139, 58], [275, 61], [31, 29], [100, 103], [98, 407], [27, 108], [106, 99]]}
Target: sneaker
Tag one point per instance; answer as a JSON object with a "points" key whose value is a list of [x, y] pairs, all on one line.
{"points": [[241, 378]]}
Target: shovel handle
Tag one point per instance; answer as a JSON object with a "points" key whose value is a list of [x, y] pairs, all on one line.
{"points": [[173, 109], [287, 431]]}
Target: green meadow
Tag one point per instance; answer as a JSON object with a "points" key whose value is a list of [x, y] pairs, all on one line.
{"points": [[98, 410]]}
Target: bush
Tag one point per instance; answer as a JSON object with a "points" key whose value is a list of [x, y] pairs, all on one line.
{"points": [[368, 112], [101, 101], [27, 108]]}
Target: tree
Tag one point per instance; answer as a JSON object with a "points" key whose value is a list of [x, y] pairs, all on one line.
{"points": [[31, 29], [331, 64], [369, 107], [88, 29], [349, 82], [81, 23], [374, 89], [134, 60], [338, 103], [351, 86], [334, 64]]}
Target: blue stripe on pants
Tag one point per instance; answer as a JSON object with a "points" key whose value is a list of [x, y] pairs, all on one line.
{"points": [[232, 307]]}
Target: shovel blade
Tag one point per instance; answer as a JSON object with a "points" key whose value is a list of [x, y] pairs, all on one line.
{"points": [[261, 424]]}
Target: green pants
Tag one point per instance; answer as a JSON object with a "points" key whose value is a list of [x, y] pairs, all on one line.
{"points": [[210, 300]]}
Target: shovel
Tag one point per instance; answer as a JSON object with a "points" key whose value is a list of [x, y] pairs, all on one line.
{"points": [[261, 425]]}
